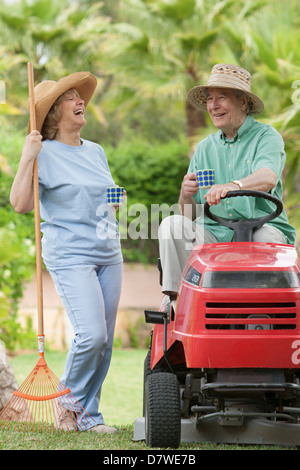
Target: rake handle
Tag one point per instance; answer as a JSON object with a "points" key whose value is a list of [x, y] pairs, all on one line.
{"points": [[36, 198]]}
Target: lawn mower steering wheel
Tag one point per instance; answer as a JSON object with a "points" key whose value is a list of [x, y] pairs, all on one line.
{"points": [[243, 228]]}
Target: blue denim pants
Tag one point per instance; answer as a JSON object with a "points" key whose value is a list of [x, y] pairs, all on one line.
{"points": [[90, 295]]}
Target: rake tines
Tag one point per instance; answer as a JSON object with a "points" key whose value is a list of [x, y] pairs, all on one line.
{"points": [[43, 403]]}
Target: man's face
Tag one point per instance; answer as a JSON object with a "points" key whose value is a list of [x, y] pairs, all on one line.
{"points": [[226, 109]]}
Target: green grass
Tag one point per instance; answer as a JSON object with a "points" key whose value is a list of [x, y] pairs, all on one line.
{"points": [[121, 403], [121, 398]]}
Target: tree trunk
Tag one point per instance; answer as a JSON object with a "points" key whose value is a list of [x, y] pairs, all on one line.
{"points": [[195, 119], [8, 383]]}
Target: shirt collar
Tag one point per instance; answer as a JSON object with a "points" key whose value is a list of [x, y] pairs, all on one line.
{"points": [[247, 124]]}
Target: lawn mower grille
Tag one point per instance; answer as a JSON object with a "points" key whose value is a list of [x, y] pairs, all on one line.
{"points": [[245, 316]]}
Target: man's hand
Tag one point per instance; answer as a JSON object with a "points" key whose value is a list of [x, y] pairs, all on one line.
{"points": [[189, 188], [189, 185], [218, 191]]}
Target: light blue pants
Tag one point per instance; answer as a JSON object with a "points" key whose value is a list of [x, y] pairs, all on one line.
{"points": [[90, 295]]}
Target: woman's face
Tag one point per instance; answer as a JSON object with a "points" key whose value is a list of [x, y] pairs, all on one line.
{"points": [[72, 111]]}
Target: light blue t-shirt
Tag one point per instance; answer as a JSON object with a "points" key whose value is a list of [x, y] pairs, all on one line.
{"points": [[78, 225]]}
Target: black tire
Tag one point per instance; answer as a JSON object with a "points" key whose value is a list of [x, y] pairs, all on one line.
{"points": [[162, 410], [147, 367], [147, 372]]}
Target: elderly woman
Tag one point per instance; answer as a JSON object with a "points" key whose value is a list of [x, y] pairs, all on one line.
{"points": [[243, 154], [81, 252]]}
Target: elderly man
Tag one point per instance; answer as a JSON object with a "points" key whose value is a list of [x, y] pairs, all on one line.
{"points": [[243, 154]]}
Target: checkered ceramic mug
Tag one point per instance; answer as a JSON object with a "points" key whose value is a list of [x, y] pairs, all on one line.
{"points": [[115, 195], [205, 178]]}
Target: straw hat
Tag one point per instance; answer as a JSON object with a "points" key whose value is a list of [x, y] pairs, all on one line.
{"points": [[226, 76], [47, 92]]}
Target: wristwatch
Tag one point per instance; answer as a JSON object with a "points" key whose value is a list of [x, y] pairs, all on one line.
{"points": [[238, 183]]}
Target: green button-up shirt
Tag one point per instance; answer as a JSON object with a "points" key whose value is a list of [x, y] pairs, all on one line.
{"points": [[255, 146]]}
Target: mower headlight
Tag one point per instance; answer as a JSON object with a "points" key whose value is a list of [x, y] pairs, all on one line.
{"points": [[192, 276], [258, 326]]}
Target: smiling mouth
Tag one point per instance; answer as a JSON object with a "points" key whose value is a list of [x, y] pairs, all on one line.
{"points": [[79, 112], [219, 115]]}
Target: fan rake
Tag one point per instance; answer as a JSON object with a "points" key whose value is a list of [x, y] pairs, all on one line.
{"points": [[42, 402]]}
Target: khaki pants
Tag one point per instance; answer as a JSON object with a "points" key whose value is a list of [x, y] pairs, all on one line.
{"points": [[177, 237]]}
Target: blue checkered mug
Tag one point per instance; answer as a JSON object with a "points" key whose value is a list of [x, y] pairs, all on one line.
{"points": [[205, 178], [115, 195]]}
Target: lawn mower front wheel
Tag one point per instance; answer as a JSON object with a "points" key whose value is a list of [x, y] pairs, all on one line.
{"points": [[162, 410]]}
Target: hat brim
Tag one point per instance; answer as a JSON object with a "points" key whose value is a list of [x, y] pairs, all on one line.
{"points": [[47, 92], [197, 97]]}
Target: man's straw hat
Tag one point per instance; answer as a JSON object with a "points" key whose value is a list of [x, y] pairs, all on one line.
{"points": [[47, 92], [226, 76]]}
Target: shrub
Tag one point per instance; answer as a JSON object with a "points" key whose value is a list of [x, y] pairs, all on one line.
{"points": [[151, 173]]}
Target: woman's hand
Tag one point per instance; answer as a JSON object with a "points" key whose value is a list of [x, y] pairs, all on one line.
{"points": [[21, 195], [117, 206], [32, 146]]}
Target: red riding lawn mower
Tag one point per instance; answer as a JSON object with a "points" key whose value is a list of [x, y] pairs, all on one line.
{"points": [[225, 366]]}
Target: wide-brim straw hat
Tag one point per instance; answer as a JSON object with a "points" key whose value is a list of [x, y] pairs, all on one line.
{"points": [[47, 92], [226, 76]]}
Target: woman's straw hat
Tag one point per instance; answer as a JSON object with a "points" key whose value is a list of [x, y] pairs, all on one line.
{"points": [[226, 76], [47, 92]]}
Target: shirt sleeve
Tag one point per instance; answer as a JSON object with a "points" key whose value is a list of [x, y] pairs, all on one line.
{"points": [[41, 169], [270, 152]]}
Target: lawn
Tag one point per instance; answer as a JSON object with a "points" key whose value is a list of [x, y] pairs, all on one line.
{"points": [[121, 403], [121, 399]]}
